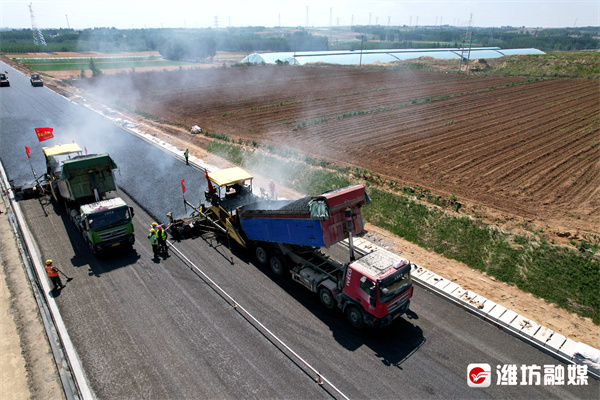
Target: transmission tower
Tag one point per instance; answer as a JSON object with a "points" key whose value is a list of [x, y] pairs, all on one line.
{"points": [[306, 17], [38, 38], [468, 35]]}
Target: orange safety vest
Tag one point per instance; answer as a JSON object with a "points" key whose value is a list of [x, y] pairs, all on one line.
{"points": [[52, 272]]}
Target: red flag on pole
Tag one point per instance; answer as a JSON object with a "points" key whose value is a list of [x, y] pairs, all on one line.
{"points": [[85, 150], [210, 186], [44, 133], [27, 150], [182, 186], [6, 72]]}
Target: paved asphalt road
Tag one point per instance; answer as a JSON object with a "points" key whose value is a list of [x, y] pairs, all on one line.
{"points": [[157, 329]]}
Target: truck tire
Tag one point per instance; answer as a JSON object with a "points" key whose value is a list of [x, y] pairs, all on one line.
{"points": [[326, 298], [261, 254], [355, 317], [277, 265]]}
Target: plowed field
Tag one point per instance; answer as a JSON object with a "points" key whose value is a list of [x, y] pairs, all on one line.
{"points": [[517, 148]]}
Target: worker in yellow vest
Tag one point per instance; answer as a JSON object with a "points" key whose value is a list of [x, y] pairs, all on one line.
{"points": [[154, 242], [52, 272]]}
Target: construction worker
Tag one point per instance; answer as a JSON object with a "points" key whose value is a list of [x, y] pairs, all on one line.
{"points": [[161, 235], [186, 154], [153, 242], [52, 272], [154, 226], [272, 189]]}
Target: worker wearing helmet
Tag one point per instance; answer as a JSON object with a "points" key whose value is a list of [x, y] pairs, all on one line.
{"points": [[186, 154], [52, 272], [161, 235], [153, 242]]}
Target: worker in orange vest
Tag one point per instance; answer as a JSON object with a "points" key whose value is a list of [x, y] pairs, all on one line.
{"points": [[53, 275]]}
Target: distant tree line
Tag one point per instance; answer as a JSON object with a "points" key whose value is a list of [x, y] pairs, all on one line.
{"points": [[198, 44], [555, 39]]}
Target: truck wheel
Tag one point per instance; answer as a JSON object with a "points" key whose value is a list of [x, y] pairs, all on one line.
{"points": [[277, 265], [355, 317], [261, 254], [326, 298]]}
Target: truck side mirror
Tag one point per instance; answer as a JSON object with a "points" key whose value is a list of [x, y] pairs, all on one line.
{"points": [[131, 212]]}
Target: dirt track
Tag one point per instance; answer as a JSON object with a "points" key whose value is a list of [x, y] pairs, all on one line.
{"points": [[516, 151]]}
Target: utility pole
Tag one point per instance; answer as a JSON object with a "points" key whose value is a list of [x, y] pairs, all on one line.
{"points": [[330, 17], [67, 17]]}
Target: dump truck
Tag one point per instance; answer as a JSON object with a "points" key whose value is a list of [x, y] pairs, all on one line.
{"points": [[292, 236], [4, 80], [36, 80], [85, 184]]}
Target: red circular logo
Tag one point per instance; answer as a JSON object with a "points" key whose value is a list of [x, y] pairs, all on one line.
{"points": [[477, 375]]}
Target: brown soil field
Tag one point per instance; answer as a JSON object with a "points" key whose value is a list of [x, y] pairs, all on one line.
{"points": [[519, 153]]}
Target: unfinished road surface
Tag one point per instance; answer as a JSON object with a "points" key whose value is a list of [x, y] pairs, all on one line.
{"points": [[157, 329]]}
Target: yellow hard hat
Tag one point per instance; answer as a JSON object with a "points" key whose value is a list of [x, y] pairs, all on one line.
{"points": [[154, 224], [48, 262], [152, 231]]}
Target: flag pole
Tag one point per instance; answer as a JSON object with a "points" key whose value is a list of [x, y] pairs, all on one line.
{"points": [[37, 180], [183, 195]]}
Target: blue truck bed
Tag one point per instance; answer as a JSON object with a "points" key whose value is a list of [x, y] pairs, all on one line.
{"points": [[316, 221]]}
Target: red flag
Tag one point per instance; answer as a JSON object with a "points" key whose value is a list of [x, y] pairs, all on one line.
{"points": [[27, 150], [6, 72], [85, 150], [44, 133], [182, 186], [210, 186]]}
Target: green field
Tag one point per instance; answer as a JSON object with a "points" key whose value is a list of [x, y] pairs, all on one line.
{"points": [[70, 64]]}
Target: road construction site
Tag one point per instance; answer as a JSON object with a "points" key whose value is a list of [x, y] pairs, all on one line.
{"points": [[164, 328]]}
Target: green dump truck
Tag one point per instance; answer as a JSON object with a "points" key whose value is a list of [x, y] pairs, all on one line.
{"points": [[84, 184]]}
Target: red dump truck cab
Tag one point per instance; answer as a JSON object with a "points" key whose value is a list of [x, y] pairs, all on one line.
{"points": [[377, 289]]}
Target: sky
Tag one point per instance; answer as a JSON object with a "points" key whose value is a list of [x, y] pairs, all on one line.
{"points": [[81, 14]]}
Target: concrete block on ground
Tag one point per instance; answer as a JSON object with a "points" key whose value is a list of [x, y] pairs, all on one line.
{"points": [[488, 306], [426, 276], [433, 279], [418, 273], [450, 287], [568, 348], [497, 312], [458, 293], [555, 341], [542, 335], [473, 300], [441, 283], [508, 317], [525, 325]]}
